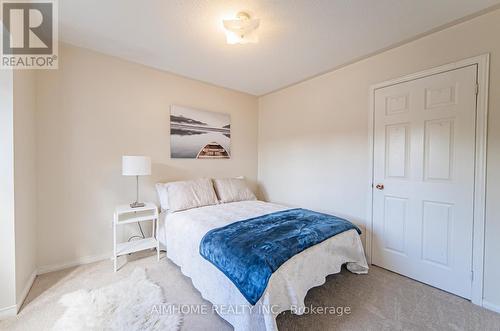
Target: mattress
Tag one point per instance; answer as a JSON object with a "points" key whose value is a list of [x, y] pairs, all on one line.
{"points": [[181, 232]]}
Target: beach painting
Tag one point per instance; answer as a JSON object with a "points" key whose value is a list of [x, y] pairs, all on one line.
{"points": [[199, 134]]}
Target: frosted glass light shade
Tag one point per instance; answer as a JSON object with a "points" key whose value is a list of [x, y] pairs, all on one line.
{"points": [[242, 29], [136, 165]]}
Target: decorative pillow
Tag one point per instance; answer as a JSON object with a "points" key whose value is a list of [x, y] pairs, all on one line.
{"points": [[233, 189], [161, 189], [191, 194]]}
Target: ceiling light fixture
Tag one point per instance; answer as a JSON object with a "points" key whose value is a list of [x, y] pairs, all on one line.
{"points": [[242, 29]]}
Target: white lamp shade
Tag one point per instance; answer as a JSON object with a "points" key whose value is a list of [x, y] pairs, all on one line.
{"points": [[136, 165]]}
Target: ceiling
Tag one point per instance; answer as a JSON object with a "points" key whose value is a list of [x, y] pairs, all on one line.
{"points": [[298, 38]]}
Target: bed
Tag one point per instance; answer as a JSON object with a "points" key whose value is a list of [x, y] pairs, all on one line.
{"points": [[181, 233]]}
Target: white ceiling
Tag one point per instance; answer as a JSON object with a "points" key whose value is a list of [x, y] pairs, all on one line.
{"points": [[298, 38]]}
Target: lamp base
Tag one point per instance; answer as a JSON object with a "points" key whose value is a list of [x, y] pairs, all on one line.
{"points": [[137, 204]]}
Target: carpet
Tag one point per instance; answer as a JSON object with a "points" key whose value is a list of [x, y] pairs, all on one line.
{"points": [[380, 300]]}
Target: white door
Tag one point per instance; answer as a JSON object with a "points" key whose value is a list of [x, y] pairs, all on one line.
{"points": [[424, 138]]}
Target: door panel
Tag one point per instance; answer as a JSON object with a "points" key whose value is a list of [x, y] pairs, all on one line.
{"points": [[438, 158], [436, 232], [424, 137], [394, 223], [397, 150]]}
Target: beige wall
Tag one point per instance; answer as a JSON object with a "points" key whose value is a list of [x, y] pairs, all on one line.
{"points": [[95, 109], [17, 188], [24, 179], [313, 137], [7, 237]]}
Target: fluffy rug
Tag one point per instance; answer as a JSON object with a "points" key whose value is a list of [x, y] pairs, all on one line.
{"points": [[132, 304]]}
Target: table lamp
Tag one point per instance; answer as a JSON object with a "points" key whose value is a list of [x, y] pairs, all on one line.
{"points": [[136, 166]]}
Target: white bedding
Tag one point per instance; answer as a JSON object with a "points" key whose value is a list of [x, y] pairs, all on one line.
{"points": [[181, 233]]}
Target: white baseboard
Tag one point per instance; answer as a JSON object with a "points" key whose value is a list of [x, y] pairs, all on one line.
{"points": [[26, 290], [491, 306], [79, 261], [8, 312], [13, 310]]}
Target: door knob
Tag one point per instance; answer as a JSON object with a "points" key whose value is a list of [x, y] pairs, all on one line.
{"points": [[379, 186]]}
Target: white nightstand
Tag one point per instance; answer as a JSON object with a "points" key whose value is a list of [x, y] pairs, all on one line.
{"points": [[124, 214]]}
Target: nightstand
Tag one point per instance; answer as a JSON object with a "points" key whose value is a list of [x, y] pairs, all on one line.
{"points": [[124, 214]]}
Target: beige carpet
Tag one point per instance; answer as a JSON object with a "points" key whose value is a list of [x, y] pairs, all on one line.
{"points": [[380, 300]]}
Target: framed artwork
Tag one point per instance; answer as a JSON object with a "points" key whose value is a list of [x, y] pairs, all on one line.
{"points": [[199, 134]]}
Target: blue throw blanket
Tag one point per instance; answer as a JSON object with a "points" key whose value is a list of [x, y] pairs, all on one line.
{"points": [[249, 251]]}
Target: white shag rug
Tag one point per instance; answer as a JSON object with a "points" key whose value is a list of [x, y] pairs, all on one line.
{"points": [[131, 304]]}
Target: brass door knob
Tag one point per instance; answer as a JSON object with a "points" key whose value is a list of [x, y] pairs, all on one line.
{"points": [[379, 186]]}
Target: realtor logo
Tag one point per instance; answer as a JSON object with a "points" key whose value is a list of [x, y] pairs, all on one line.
{"points": [[29, 34]]}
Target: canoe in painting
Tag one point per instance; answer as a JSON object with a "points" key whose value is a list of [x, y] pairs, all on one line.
{"points": [[213, 150]]}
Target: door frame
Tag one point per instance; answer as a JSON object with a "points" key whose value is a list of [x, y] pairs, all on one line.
{"points": [[482, 62]]}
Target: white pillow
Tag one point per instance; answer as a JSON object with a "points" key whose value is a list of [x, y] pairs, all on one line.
{"points": [[191, 194], [233, 189], [161, 189]]}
